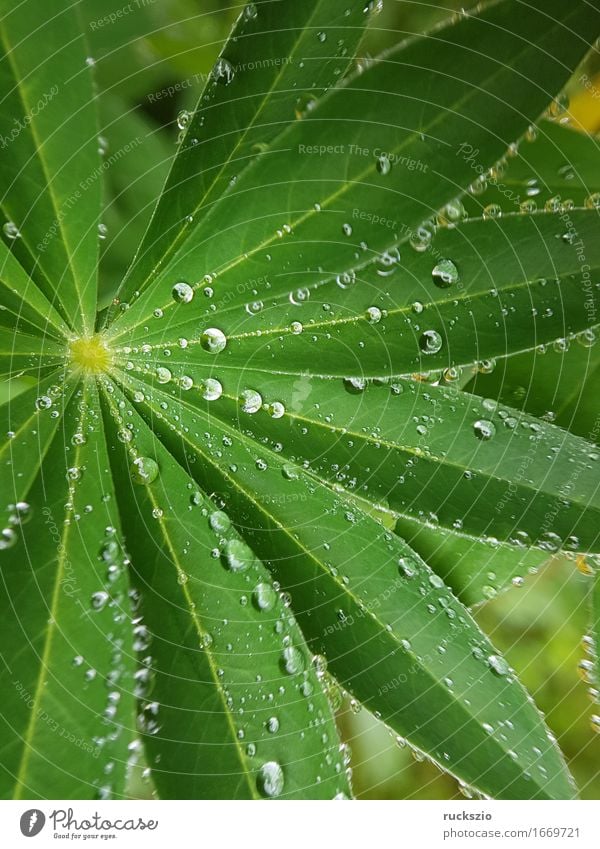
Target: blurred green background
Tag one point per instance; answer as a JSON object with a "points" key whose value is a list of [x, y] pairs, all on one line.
{"points": [[155, 45]]}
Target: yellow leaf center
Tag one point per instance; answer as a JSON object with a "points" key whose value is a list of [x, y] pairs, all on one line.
{"points": [[90, 354]]}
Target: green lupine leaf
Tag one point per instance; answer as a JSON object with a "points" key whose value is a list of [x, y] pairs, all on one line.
{"points": [[476, 571], [430, 453], [385, 622], [532, 289], [24, 306], [555, 383], [10, 389], [24, 353], [244, 106], [559, 166], [137, 159], [158, 471], [49, 176], [321, 224], [67, 707], [592, 643], [239, 699]]}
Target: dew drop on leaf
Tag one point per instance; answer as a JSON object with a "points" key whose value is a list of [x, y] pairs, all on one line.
{"points": [[270, 780], [484, 429], [213, 340], [250, 401], [11, 231], [210, 389], [292, 660], [498, 665], [163, 375], [219, 522], [182, 292], [373, 315], [264, 596], [144, 470], [430, 342], [445, 273], [237, 555]]}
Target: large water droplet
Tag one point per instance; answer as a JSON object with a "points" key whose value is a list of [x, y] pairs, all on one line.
{"points": [[213, 340], [144, 470], [270, 779], [250, 401], [238, 556], [445, 273], [484, 429], [182, 292], [430, 342]]}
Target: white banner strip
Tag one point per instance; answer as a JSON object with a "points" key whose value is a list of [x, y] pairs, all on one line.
{"points": [[298, 825]]}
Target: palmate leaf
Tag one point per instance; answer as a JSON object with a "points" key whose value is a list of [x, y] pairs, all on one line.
{"points": [[229, 462]]}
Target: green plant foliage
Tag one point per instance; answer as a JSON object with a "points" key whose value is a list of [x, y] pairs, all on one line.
{"points": [[279, 456]]}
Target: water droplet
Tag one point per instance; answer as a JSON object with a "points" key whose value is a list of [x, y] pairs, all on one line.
{"points": [[182, 292], [44, 402], [213, 340], [163, 375], [219, 522], [99, 600], [272, 725], [292, 660], [445, 273], [484, 429], [384, 165], [498, 665], [275, 409], [264, 596], [270, 779], [430, 342], [238, 556], [11, 231], [223, 72], [144, 470], [210, 389], [250, 401]]}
